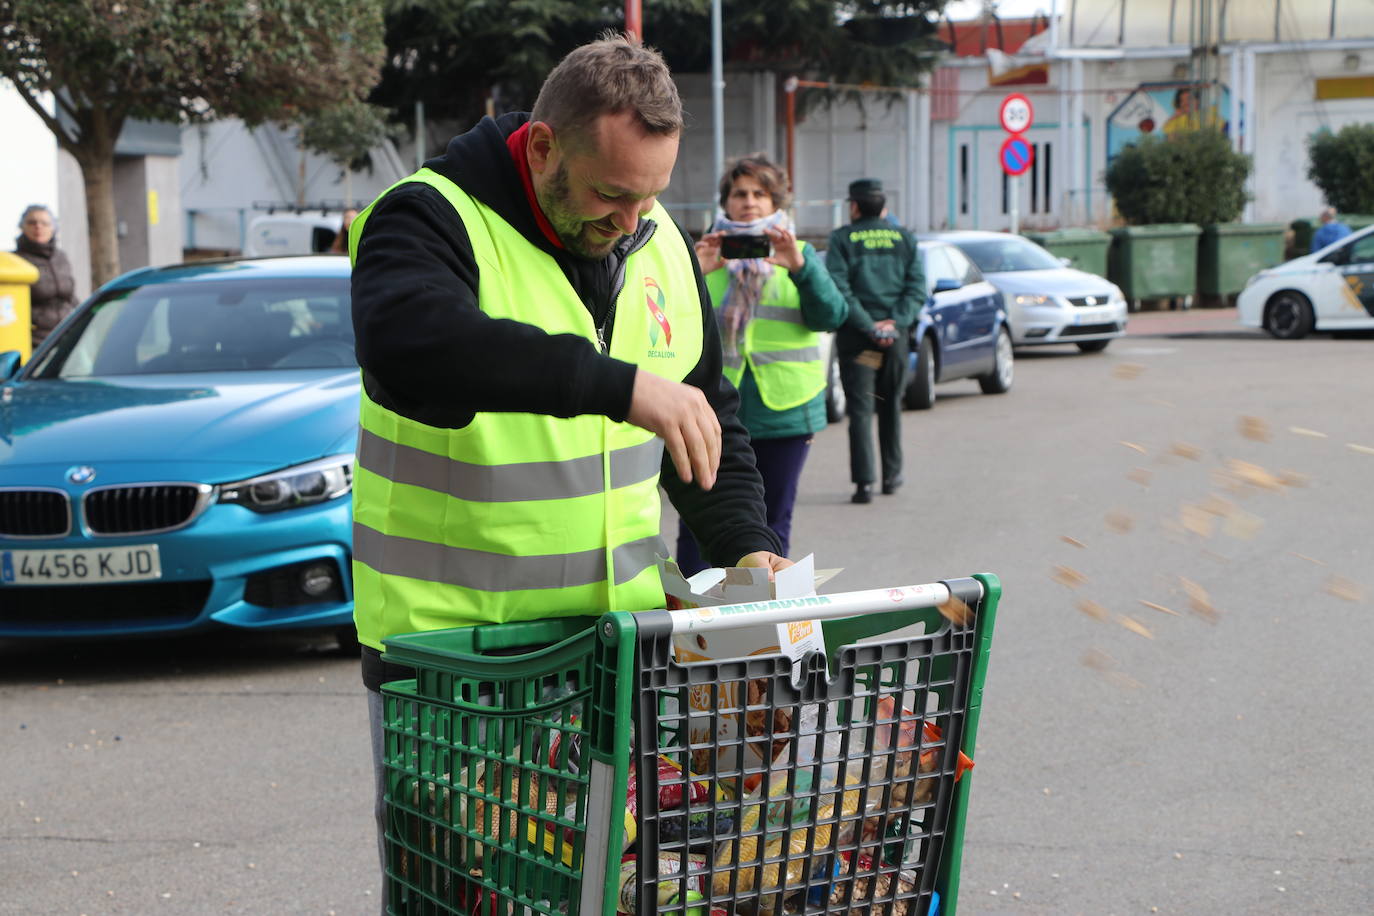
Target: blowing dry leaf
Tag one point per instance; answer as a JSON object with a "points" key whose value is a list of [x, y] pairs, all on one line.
{"points": [[1098, 660], [1303, 431], [1197, 520], [1293, 479], [1242, 525], [1134, 445], [1344, 588], [1067, 575], [1186, 450], [1119, 521], [1199, 602], [1135, 626], [1302, 556], [1362, 449], [1254, 428], [1140, 475], [1218, 505], [1093, 609], [1075, 542], [1159, 607], [955, 611], [1128, 370], [1253, 474]]}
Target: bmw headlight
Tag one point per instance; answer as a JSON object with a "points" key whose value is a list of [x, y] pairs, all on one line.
{"points": [[291, 488], [1024, 299]]}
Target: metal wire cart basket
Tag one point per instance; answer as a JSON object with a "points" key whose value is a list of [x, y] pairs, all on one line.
{"points": [[577, 766]]}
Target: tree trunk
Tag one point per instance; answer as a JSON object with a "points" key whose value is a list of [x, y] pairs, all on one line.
{"points": [[96, 158]]}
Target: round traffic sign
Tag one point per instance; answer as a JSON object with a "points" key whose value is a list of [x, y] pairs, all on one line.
{"points": [[1016, 113], [1017, 155]]}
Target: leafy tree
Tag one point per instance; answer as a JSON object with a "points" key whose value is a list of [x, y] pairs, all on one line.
{"points": [[455, 54], [1342, 165], [1191, 177], [106, 61], [346, 132]]}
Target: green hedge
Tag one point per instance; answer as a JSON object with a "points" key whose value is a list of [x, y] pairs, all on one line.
{"points": [[1191, 177], [1342, 165]]}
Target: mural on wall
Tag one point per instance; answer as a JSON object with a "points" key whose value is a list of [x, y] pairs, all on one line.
{"points": [[1165, 109]]}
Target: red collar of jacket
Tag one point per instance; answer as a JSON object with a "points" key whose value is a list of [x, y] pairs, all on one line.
{"points": [[517, 144]]}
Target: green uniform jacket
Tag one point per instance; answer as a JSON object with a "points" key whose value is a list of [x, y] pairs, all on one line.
{"points": [[823, 308], [877, 268]]}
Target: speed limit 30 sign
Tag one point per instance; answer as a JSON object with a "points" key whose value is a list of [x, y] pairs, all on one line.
{"points": [[1016, 113]]}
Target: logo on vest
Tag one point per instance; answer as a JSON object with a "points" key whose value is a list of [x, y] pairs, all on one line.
{"points": [[654, 299]]}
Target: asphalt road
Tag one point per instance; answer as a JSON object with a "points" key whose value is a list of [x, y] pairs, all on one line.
{"points": [[1220, 766]]}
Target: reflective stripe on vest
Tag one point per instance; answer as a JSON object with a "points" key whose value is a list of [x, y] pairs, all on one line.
{"points": [[782, 352], [522, 516]]}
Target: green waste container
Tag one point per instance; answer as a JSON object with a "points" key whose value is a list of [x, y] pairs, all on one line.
{"points": [[1301, 244], [1086, 249], [1154, 262], [1229, 254]]}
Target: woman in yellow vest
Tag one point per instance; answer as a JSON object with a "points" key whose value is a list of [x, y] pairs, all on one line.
{"points": [[770, 310]]}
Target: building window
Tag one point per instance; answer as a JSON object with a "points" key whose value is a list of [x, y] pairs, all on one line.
{"points": [[963, 178]]}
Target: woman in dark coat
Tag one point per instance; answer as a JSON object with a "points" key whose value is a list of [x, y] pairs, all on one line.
{"points": [[54, 295]]}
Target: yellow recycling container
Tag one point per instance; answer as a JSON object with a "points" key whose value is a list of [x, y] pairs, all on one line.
{"points": [[16, 323]]}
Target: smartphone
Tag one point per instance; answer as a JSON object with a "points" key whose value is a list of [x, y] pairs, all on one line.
{"points": [[733, 247]]}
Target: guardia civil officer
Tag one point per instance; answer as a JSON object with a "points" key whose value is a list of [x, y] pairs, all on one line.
{"points": [[877, 268]]}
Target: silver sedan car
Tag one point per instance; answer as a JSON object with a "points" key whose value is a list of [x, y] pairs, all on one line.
{"points": [[1048, 303]]}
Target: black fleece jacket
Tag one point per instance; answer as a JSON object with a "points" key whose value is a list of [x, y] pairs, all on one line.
{"points": [[429, 353]]}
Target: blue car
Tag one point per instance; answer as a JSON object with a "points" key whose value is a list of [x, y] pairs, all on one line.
{"points": [[963, 332], [178, 455]]}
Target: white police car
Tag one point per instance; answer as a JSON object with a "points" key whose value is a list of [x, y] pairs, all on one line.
{"points": [[1328, 290]]}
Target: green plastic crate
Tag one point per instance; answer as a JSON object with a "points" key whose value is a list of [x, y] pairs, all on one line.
{"points": [[549, 833], [1229, 254], [1086, 249], [1154, 262]]}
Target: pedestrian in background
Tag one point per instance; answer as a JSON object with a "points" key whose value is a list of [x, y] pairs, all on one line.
{"points": [[1331, 230], [53, 297], [877, 268], [538, 355], [340, 243], [769, 310]]}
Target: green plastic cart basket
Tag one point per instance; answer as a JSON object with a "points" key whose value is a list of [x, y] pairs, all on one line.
{"points": [[760, 785]]}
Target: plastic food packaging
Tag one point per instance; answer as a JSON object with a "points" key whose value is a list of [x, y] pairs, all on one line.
{"points": [[627, 897]]}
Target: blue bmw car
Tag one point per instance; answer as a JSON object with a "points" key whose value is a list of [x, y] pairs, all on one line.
{"points": [[178, 455], [963, 332]]}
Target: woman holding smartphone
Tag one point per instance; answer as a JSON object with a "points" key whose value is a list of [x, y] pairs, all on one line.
{"points": [[772, 295]]}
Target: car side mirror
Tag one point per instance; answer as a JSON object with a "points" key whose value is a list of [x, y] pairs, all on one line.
{"points": [[946, 284], [9, 364]]}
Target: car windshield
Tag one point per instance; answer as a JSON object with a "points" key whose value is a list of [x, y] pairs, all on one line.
{"points": [[220, 325], [1008, 254]]}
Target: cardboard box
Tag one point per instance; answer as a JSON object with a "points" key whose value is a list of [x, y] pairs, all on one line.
{"points": [[795, 640]]}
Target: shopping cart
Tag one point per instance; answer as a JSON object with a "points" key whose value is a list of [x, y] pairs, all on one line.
{"points": [[573, 766]]}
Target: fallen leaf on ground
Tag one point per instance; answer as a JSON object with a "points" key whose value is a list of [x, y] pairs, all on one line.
{"points": [[1141, 476], [1119, 521], [1159, 607], [1128, 370], [1067, 575], [1072, 541], [1134, 445], [1302, 556], [1217, 505], [1135, 626], [1098, 660], [1302, 431], [1343, 588], [1254, 428], [1093, 609], [1186, 450], [1362, 449]]}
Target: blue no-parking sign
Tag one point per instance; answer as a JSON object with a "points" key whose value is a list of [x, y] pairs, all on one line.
{"points": [[1017, 155]]}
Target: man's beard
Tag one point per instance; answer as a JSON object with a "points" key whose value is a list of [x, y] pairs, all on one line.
{"points": [[575, 233]]}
